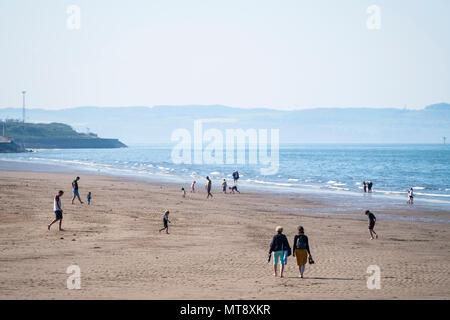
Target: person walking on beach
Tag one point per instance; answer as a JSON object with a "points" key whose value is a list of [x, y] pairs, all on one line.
{"points": [[58, 210], [365, 186], [193, 186], [183, 192], [75, 190], [166, 222], [224, 186], [208, 187], [372, 220], [369, 186], [280, 249], [300, 250], [89, 197], [410, 196], [235, 176]]}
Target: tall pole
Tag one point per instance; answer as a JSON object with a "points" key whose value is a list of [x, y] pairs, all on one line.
{"points": [[23, 106]]}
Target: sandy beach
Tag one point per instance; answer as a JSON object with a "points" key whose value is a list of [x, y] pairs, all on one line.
{"points": [[216, 249]]}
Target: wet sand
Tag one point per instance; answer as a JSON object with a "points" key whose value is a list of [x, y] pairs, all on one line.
{"points": [[216, 249]]}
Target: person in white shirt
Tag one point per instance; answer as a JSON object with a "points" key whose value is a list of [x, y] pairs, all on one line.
{"points": [[58, 210]]}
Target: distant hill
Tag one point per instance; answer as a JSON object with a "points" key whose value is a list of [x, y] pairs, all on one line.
{"points": [[325, 125], [55, 135]]}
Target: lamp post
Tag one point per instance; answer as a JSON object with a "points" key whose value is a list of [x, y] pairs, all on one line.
{"points": [[23, 106]]}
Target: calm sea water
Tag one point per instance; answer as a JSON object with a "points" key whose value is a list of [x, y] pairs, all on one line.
{"points": [[393, 169]]}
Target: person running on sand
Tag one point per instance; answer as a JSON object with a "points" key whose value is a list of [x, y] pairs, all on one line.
{"points": [[300, 250], [372, 220], [75, 190], [281, 250], [233, 189], [224, 186], [208, 187], [193, 186], [58, 210], [166, 221], [183, 192], [89, 197]]}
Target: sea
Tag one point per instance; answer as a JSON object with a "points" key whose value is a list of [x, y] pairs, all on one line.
{"points": [[319, 168]]}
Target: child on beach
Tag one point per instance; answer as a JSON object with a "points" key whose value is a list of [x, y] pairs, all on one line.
{"points": [[89, 197], [57, 209], [183, 192], [193, 187], [166, 221], [224, 186], [372, 220], [233, 189]]}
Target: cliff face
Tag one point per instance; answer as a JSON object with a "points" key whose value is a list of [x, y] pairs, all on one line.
{"points": [[71, 143], [9, 146], [55, 136]]}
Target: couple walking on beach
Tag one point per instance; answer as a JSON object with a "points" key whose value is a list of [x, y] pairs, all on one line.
{"points": [[367, 186], [280, 250]]}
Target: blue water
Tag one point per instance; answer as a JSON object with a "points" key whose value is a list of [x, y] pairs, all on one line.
{"points": [[393, 169]]}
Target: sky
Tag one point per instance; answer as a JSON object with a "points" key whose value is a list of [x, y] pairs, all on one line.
{"points": [[283, 54]]}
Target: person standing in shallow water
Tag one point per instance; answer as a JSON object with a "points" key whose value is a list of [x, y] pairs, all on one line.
{"points": [[208, 187], [300, 250]]}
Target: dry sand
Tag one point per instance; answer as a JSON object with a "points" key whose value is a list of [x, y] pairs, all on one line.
{"points": [[216, 249]]}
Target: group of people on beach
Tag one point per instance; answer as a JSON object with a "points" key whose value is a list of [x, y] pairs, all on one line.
{"points": [[367, 186], [208, 186], [57, 208], [280, 250]]}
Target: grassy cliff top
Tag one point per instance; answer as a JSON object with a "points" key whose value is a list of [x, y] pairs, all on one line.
{"points": [[19, 130]]}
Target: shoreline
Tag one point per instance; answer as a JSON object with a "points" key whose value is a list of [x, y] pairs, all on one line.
{"points": [[329, 203], [216, 249]]}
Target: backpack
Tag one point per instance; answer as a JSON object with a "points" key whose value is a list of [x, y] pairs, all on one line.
{"points": [[301, 242]]}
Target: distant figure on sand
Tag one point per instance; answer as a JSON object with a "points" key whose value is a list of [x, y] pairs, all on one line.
{"points": [[208, 187], [89, 197], [281, 250], [193, 186], [58, 210], [224, 186], [233, 189], [166, 222], [235, 176], [183, 192], [369, 186], [410, 196], [372, 220], [75, 190], [365, 186], [300, 249]]}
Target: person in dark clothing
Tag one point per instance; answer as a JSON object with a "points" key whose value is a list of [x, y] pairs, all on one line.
{"points": [[235, 177], [372, 220], [75, 190], [369, 186], [364, 186], [300, 249], [281, 250]]}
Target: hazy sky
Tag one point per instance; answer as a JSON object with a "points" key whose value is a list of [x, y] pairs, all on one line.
{"points": [[277, 53]]}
